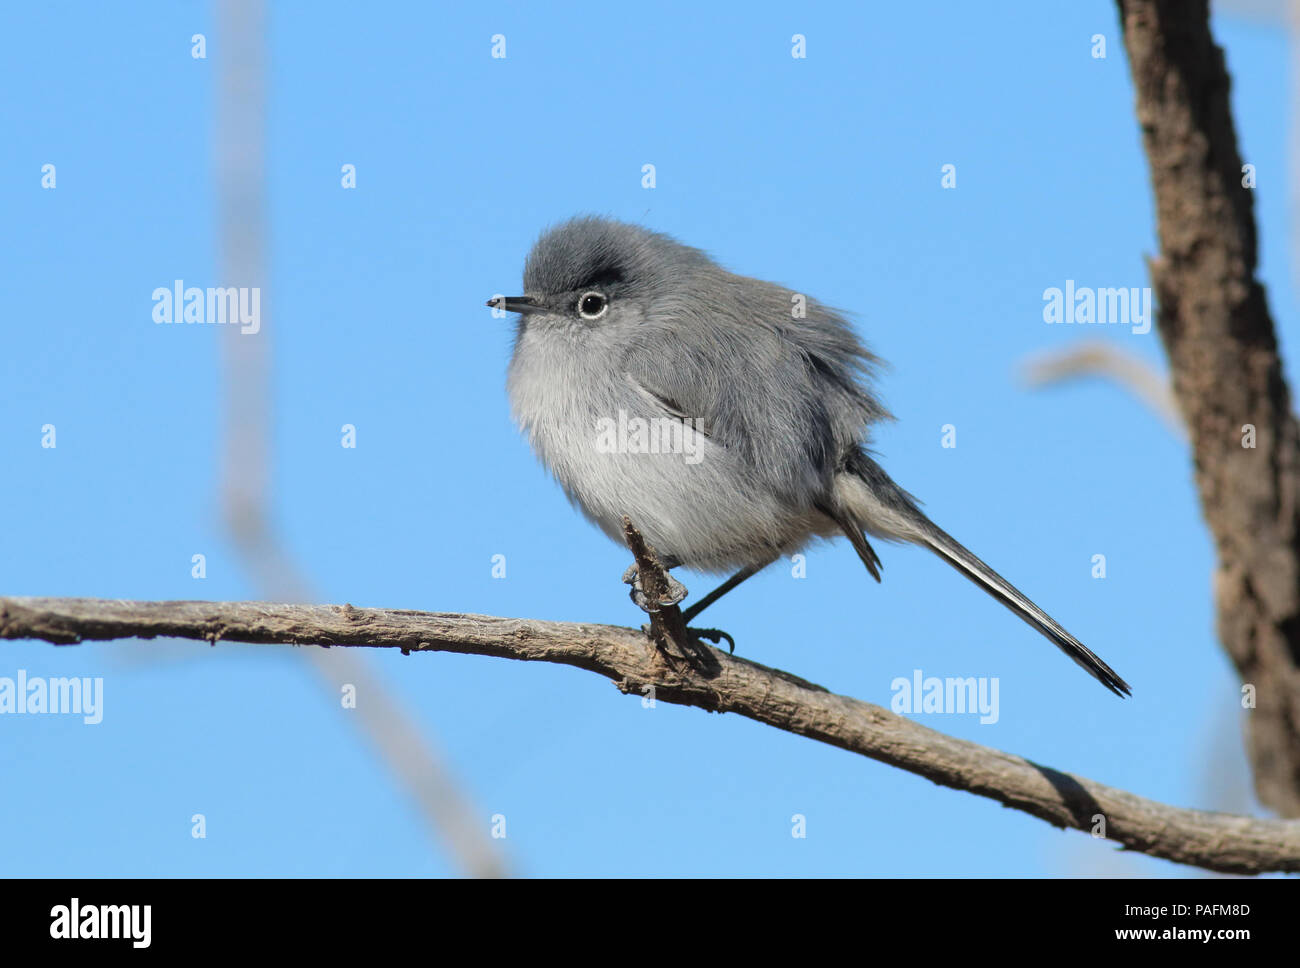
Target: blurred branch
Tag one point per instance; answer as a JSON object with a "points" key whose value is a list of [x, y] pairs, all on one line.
{"points": [[1214, 841], [1226, 369], [1097, 359], [246, 465]]}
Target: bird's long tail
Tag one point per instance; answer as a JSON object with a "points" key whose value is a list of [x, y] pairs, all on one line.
{"points": [[886, 510], [981, 574]]}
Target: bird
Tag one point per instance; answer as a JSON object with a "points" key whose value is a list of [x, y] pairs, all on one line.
{"points": [[728, 417]]}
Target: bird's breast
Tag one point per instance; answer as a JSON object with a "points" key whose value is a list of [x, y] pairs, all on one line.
{"points": [[615, 452]]}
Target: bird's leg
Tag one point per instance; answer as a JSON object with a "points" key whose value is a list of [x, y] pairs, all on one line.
{"points": [[676, 592], [722, 589]]}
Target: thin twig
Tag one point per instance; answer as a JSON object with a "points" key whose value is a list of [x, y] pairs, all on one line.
{"points": [[667, 627], [1104, 360]]}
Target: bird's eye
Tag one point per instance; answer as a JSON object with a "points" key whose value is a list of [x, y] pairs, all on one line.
{"points": [[592, 305]]}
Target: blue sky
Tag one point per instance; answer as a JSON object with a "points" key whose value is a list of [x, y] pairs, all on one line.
{"points": [[820, 173]]}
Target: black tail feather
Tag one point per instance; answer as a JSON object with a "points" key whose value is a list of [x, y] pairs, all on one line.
{"points": [[981, 574]]}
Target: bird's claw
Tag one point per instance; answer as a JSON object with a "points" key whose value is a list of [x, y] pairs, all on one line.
{"points": [[676, 591], [715, 636]]}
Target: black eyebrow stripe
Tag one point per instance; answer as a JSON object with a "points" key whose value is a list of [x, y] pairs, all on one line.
{"points": [[602, 276]]}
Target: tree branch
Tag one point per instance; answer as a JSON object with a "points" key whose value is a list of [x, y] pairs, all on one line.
{"points": [[1226, 369], [726, 683], [1096, 358]]}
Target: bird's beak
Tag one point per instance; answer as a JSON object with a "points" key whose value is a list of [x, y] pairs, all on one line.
{"points": [[516, 304]]}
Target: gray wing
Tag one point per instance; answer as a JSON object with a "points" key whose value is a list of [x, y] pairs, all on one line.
{"points": [[785, 395]]}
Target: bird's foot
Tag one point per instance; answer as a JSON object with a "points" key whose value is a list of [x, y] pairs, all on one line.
{"points": [[715, 636], [695, 649], [676, 591]]}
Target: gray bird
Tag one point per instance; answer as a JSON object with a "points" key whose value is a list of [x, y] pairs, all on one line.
{"points": [[726, 416]]}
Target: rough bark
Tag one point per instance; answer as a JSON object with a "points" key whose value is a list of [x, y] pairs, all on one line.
{"points": [[713, 681], [1226, 370]]}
